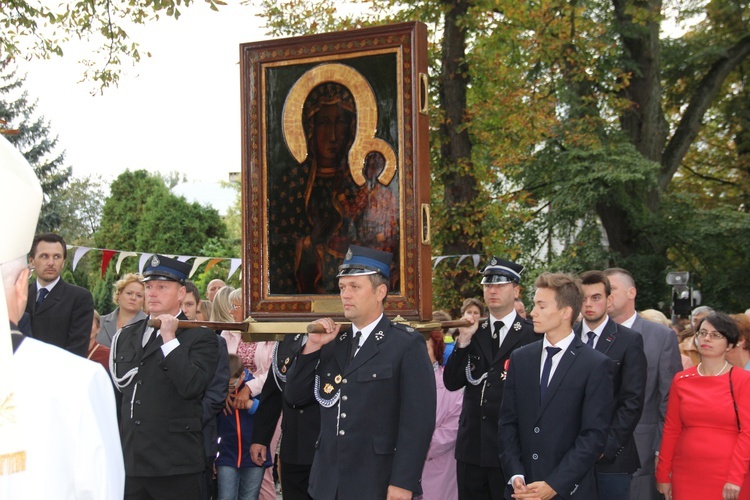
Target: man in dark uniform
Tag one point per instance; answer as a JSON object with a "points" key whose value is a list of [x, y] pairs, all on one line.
{"points": [[479, 364], [163, 374], [376, 387], [299, 426]]}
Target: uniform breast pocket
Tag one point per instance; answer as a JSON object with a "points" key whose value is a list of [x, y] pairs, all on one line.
{"points": [[374, 373], [124, 361]]}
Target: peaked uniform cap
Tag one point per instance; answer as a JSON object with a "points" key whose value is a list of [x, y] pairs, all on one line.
{"points": [[501, 271], [363, 261], [165, 269]]}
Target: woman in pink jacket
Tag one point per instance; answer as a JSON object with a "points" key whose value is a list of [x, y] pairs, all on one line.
{"points": [[439, 473]]}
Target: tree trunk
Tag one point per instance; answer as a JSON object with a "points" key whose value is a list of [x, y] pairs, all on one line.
{"points": [[460, 187]]}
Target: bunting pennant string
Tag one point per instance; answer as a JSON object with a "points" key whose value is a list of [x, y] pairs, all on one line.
{"points": [[234, 265], [106, 257], [80, 252], [198, 261], [123, 256], [142, 261]]}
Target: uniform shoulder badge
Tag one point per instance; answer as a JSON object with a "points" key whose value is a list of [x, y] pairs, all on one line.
{"points": [[328, 388], [337, 379]]}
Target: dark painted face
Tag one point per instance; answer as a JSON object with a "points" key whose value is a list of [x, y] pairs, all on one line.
{"points": [[331, 134]]}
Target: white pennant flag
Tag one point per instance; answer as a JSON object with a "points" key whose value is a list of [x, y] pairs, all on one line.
{"points": [[122, 257], [80, 252], [439, 259], [198, 261], [184, 258], [142, 261], [236, 263]]}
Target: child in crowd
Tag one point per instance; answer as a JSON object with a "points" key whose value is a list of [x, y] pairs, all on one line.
{"points": [[237, 476]]}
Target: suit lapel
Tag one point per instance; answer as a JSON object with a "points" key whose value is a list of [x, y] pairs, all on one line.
{"points": [[569, 357], [370, 347], [484, 339], [52, 297], [534, 375], [512, 338], [608, 338], [342, 350]]}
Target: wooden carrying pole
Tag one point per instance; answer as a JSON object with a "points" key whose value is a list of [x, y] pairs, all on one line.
{"points": [[254, 331]]}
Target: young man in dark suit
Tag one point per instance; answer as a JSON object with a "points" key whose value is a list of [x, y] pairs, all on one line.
{"points": [[61, 314], [477, 365], [163, 374], [376, 388], [557, 402], [614, 470]]}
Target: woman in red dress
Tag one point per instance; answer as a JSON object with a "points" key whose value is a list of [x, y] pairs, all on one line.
{"points": [[705, 448]]}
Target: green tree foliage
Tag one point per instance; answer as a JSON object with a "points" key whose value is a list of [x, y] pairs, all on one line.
{"points": [[142, 215], [577, 135], [80, 205], [40, 29], [124, 209], [31, 134]]}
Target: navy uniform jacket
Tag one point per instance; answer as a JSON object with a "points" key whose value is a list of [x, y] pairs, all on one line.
{"points": [[560, 440], [625, 348], [477, 441], [377, 412], [300, 426], [64, 318], [162, 406]]}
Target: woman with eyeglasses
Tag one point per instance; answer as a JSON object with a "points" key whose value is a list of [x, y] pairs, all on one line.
{"points": [[705, 448]]}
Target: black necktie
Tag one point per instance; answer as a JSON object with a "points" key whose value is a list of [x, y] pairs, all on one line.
{"points": [[496, 337], [354, 345], [592, 336], [42, 294], [551, 351]]}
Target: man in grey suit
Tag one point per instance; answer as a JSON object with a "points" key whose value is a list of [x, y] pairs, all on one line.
{"points": [[663, 360]]}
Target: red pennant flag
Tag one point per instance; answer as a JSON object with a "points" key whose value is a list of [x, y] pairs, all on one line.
{"points": [[106, 257]]}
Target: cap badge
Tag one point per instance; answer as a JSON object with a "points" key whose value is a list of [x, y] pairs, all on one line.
{"points": [[155, 261], [379, 335], [493, 262], [328, 388], [517, 325], [349, 255], [337, 379]]}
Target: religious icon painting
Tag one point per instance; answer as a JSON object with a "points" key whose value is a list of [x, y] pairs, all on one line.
{"points": [[335, 153]]}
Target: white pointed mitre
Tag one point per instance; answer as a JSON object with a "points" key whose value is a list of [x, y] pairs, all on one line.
{"points": [[20, 202]]}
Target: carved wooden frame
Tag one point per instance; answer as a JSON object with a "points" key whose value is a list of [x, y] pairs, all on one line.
{"points": [[408, 44]]}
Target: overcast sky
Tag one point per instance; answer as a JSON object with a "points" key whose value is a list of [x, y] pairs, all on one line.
{"points": [[178, 110]]}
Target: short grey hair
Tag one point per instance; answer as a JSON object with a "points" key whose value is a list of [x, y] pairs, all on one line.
{"points": [[702, 310]]}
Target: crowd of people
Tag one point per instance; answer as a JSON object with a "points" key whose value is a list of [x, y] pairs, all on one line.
{"points": [[583, 397]]}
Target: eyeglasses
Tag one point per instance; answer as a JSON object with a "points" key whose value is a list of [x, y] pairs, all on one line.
{"points": [[706, 333]]}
